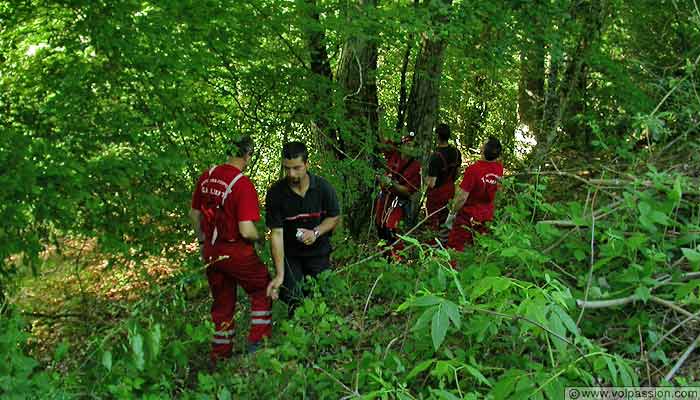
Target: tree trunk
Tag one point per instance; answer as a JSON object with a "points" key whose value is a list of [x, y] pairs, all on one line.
{"points": [[401, 107], [423, 109], [320, 96], [531, 84], [560, 110], [357, 77]]}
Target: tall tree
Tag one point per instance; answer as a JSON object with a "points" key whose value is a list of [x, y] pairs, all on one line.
{"points": [[357, 78], [422, 110]]}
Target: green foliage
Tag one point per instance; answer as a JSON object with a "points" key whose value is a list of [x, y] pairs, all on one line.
{"points": [[19, 376], [110, 110]]}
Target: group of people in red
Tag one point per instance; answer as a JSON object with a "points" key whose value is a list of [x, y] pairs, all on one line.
{"points": [[302, 210], [463, 210]]}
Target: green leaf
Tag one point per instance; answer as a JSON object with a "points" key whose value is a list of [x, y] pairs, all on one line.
{"points": [[423, 320], [659, 218], [61, 351], [555, 324], [677, 193], [643, 293], [477, 374], [419, 368], [107, 360], [154, 341], [612, 369], [644, 208], [444, 394], [555, 389], [223, 394], [693, 256], [503, 388], [453, 312], [625, 375], [566, 319], [442, 368], [137, 350], [439, 327], [426, 301]]}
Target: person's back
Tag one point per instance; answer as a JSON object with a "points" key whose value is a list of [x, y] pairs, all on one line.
{"points": [[224, 209], [443, 167], [474, 203], [481, 181], [241, 204]]}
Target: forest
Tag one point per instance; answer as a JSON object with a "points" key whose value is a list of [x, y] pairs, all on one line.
{"points": [[589, 275]]}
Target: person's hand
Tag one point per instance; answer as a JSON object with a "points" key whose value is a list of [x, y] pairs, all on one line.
{"points": [[273, 288], [308, 236], [450, 220]]}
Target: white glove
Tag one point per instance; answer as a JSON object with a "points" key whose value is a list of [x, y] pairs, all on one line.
{"points": [[450, 220]]}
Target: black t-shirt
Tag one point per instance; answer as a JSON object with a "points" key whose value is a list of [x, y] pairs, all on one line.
{"points": [[445, 166], [286, 209]]}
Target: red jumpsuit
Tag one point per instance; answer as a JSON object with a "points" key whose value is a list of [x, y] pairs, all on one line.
{"points": [[238, 263], [481, 182], [390, 207]]}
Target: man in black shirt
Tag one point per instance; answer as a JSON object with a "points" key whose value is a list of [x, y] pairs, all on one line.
{"points": [[302, 211], [442, 172]]}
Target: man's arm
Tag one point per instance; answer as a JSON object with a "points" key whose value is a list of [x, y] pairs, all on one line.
{"points": [[277, 247], [248, 230], [196, 218], [460, 198]]}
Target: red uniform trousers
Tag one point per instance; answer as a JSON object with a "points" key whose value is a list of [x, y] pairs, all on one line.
{"points": [[387, 216], [438, 198], [224, 277], [462, 232]]}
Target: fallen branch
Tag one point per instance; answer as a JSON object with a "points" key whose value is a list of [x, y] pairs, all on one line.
{"points": [[679, 325], [592, 304], [52, 316], [682, 359]]}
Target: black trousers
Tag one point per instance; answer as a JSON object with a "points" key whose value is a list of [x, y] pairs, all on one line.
{"points": [[296, 269]]}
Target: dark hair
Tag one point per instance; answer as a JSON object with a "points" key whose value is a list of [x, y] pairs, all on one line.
{"points": [[240, 146], [492, 149], [293, 150], [443, 132]]}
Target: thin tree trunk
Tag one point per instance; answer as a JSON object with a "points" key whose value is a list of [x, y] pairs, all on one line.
{"points": [[401, 108], [423, 109], [531, 84], [357, 78]]}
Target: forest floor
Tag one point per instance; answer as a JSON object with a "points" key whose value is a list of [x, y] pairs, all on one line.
{"points": [[83, 302]]}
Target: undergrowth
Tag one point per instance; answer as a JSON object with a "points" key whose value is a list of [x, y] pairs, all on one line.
{"points": [[509, 323]]}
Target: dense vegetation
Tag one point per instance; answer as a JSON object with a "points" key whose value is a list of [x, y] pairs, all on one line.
{"points": [[110, 110]]}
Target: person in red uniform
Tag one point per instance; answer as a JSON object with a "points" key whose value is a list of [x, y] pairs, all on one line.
{"points": [[473, 203], [400, 181], [224, 209], [442, 174]]}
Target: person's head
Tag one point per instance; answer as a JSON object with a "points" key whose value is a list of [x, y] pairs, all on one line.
{"points": [[443, 132], [241, 148], [491, 149], [295, 160]]}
